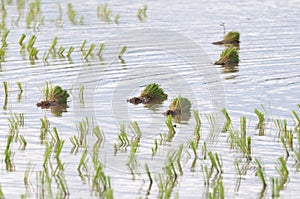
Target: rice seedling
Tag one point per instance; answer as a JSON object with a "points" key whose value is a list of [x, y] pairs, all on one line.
{"points": [[171, 129], [282, 171], [15, 121], [180, 109], [101, 184], [105, 14], [44, 184], [6, 94], [231, 37], [58, 143], [90, 50], [33, 16], [101, 48], [197, 127], [83, 166], [117, 17], [204, 151], [1, 192], [20, 87], [4, 35], [52, 48], [281, 125], [151, 94], [28, 172], [122, 52], [150, 178], [60, 52], [227, 123], [123, 141], [216, 162], [70, 51], [141, 13], [44, 129], [261, 175], [155, 148], [229, 57], [72, 14], [194, 149], [48, 150], [218, 190], [23, 142], [285, 147], [261, 122], [81, 139], [99, 134], [2, 54], [9, 154], [297, 119]]}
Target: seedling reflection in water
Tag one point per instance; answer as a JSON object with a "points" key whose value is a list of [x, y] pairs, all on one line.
{"points": [[180, 109], [229, 57]]}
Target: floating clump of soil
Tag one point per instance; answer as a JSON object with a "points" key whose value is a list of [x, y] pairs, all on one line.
{"points": [[231, 38], [56, 98], [151, 94], [179, 109], [229, 57]]}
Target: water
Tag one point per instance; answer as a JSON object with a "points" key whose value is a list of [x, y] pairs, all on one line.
{"points": [[172, 47]]}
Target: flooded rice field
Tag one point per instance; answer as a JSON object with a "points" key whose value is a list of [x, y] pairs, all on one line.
{"points": [[240, 138]]}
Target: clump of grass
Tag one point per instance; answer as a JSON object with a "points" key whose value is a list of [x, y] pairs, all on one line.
{"points": [[231, 37], [73, 15], [151, 94], [229, 57], [180, 109], [53, 96]]}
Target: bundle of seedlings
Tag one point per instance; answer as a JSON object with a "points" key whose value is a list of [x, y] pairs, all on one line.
{"points": [[229, 57], [151, 94], [179, 109], [54, 97], [231, 38]]}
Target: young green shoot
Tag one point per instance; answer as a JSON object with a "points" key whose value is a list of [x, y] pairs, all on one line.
{"points": [[227, 123], [101, 48], [261, 175], [90, 50], [261, 122], [171, 129], [122, 52]]}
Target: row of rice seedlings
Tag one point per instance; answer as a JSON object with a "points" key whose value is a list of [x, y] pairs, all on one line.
{"points": [[81, 139], [141, 13], [73, 16], [34, 16], [105, 14], [168, 180]]}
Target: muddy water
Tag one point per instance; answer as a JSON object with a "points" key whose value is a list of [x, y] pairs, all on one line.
{"points": [[177, 54]]}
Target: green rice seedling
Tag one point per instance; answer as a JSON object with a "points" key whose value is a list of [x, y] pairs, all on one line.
{"points": [[99, 134], [297, 118], [141, 13], [204, 150], [155, 148], [104, 13], [101, 48], [275, 187], [122, 52], [48, 151], [15, 121], [285, 147], [261, 122], [33, 16], [283, 172], [231, 37], [82, 48], [70, 51], [197, 127], [72, 14], [281, 125], [54, 96], [171, 129], [44, 129], [28, 172], [58, 143], [194, 149], [4, 34], [218, 190], [227, 123], [83, 166], [2, 54], [4, 14], [20, 87], [229, 57], [5, 89], [52, 48], [60, 52], [261, 175], [149, 176], [21, 41], [23, 142], [216, 162], [90, 50], [117, 17], [1, 192], [83, 131], [9, 154]]}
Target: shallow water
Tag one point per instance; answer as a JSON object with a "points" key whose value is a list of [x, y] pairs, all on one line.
{"points": [[171, 46]]}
